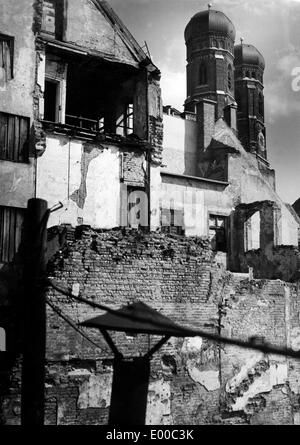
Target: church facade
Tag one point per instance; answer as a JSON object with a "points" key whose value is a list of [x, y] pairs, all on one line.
{"points": [[215, 152]]}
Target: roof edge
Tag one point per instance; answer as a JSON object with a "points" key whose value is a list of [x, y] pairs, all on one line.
{"points": [[125, 34]]}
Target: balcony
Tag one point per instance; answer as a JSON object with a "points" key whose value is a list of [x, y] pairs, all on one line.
{"points": [[90, 98]]}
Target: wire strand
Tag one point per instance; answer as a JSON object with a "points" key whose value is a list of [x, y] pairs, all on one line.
{"points": [[73, 325], [186, 332]]}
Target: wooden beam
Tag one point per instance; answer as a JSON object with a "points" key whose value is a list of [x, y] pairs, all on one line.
{"points": [[34, 313], [157, 346]]}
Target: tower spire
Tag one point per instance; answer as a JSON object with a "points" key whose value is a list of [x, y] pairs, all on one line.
{"points": [[210, 73]]}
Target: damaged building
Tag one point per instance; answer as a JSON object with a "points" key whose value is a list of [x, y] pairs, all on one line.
{"points": [[175, 209]]}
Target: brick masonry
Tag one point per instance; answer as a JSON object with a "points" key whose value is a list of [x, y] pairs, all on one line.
{"points": [[193, 381]]}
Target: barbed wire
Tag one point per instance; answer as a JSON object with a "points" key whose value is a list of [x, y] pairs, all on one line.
{"points": [[186, 332]]}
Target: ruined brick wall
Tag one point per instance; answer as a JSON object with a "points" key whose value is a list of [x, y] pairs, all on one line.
{"points": [[155, 117], [268, 258], [192, 380], [281, 262], [260, 389]]}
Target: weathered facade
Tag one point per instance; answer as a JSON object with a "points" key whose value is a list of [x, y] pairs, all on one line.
{"points": [[82, 123], [81, 112]]}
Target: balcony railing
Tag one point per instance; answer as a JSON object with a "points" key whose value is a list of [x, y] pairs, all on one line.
{"points": [[84, 123]]}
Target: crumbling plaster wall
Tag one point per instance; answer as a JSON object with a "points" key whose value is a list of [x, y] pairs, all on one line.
{"points": [[16, 20], [136, 167], [86, 180], [193, 381], [261, 389], [155, 117], [248, 185], [198, 199]]}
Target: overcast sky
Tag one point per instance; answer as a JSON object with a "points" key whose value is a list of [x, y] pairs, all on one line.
{"points": [[273, 26]]}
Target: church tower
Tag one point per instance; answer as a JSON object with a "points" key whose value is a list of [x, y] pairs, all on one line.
{"points": [[209, 38], [249, 70]]}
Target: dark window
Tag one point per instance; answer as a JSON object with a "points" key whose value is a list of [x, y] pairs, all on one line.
{"points": [[217, 232], [11, 225], [172, 221], [202, 73], [50, 100], [261, 104], [252, 103], [253, 75], [14, 137], [229, 77], [6, 58], [238, 101]]}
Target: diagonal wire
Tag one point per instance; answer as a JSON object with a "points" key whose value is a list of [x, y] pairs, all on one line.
{"points": [[92, 303], [186, 332], [73, 325]]}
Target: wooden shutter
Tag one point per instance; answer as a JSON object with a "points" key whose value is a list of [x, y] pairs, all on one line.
{"points": [[11, 224], [14, 137]]}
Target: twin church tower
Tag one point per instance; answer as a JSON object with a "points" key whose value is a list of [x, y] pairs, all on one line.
{"points": [[229, 74]]}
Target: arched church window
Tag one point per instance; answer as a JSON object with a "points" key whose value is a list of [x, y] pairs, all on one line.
{"points": [[248, 74], [261, 141], [222, 44], [253, 75], [260, 104], [214, 43], [2, 340], [202, 73], [229, 77]]}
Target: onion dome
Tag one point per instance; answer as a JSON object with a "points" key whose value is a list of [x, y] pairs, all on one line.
{"points": [[248, 55], [209, 21]]}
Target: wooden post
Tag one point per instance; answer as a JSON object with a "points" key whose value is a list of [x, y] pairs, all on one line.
{"points": [[128, 402], [34, 313]]}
